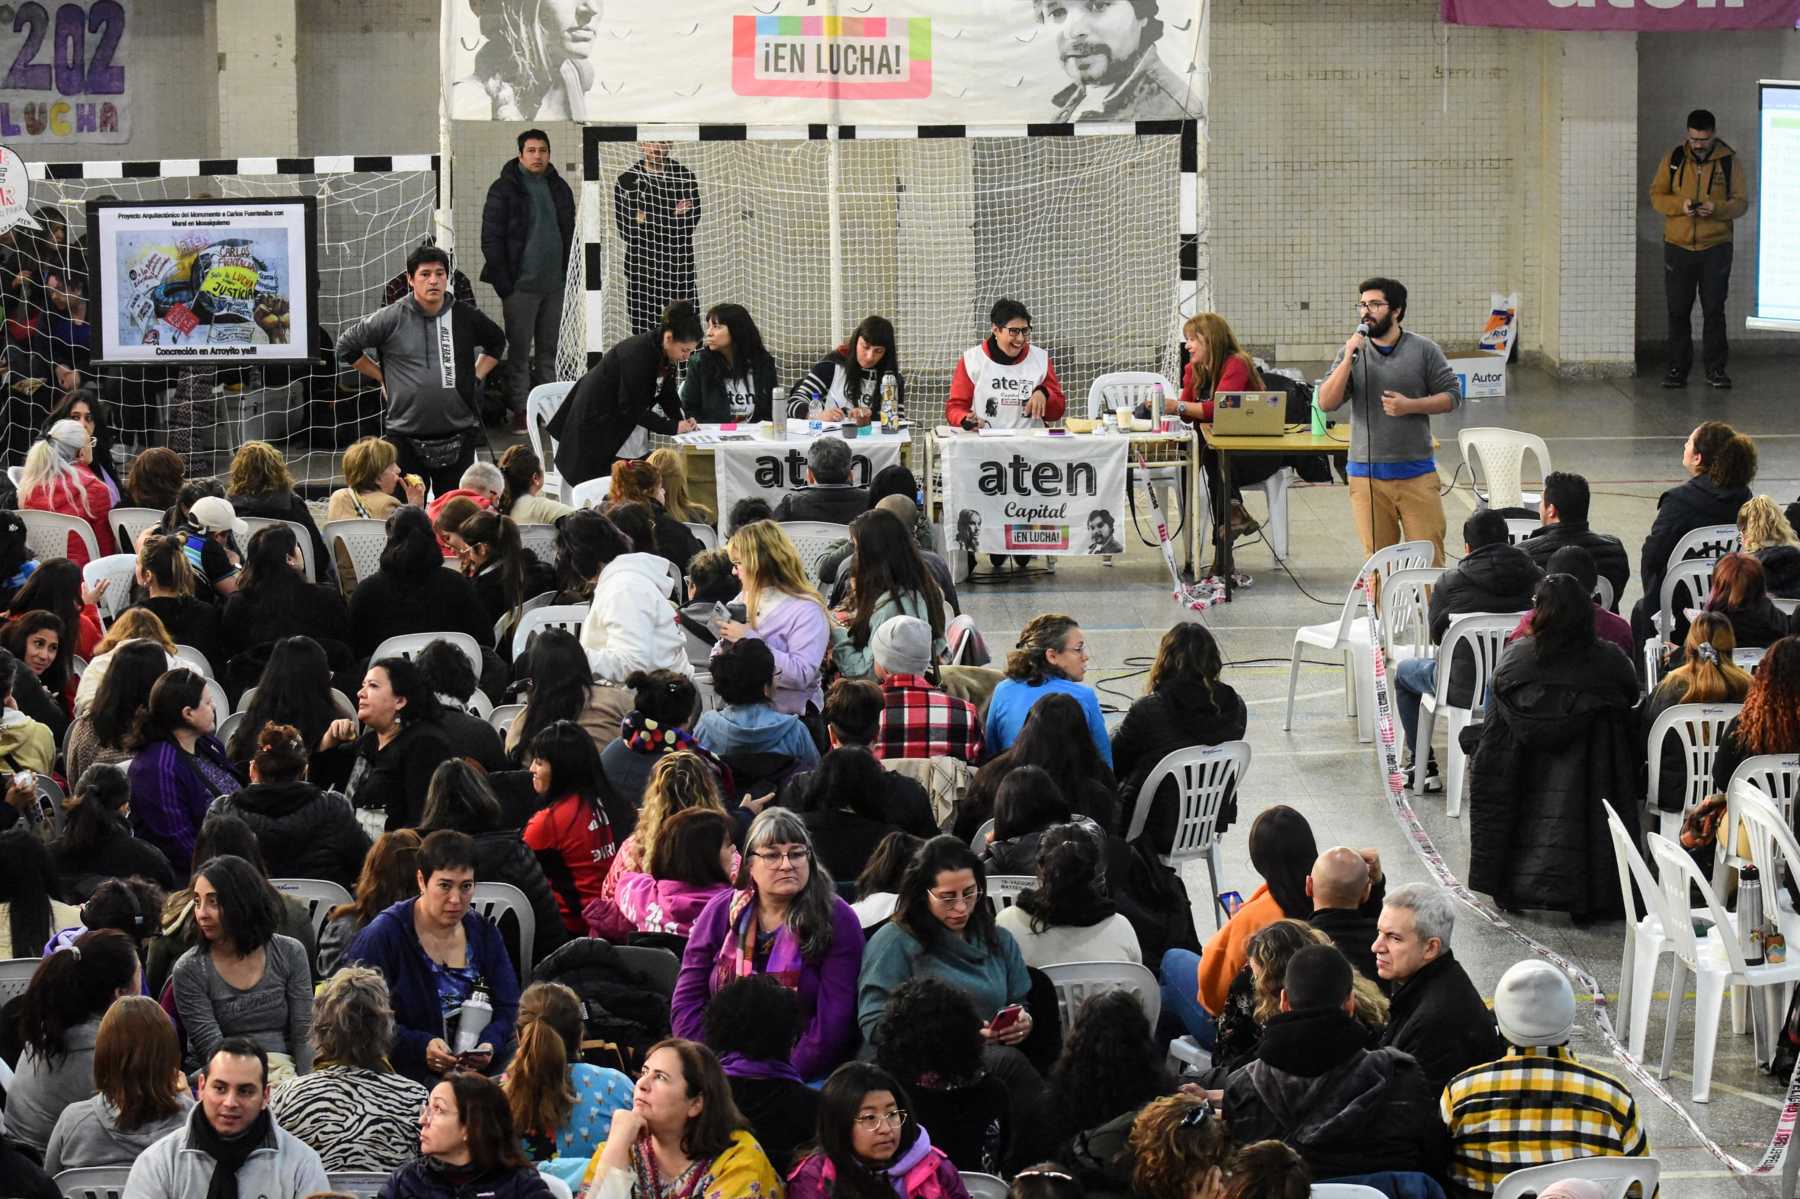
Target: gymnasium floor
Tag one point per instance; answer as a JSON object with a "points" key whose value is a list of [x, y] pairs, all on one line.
{"points": [[1625, 436]]}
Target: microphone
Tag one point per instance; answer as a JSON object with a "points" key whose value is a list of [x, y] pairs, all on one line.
{"points": [[1364, 329]]}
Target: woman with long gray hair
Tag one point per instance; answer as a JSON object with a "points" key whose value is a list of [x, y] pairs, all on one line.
{"points": [[784, 919]]}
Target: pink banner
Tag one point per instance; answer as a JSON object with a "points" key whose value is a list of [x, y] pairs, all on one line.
{"points": [[1646, 16]]}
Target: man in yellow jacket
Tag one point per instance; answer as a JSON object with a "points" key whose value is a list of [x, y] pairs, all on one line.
{"points": [[1700, 188]]}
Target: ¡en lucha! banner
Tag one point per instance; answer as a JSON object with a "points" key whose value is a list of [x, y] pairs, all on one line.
{"points": [[782, 62], [1643, 16], [1034, 494]]}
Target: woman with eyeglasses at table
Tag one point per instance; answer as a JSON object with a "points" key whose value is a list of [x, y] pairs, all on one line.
{"points": [[869, 1146], [784, 918]]}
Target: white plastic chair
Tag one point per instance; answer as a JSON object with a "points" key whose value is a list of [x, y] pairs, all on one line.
{"points": [[540, 539], [478, 704], [1484, 635], [1698, 728], [560, 616], [1775, 853], [92, 1182], [1603, 592], [502, 717], [196, 660], [1708, 541], [1348, 637], [1694, 575], [48, 533], [959, 636], [983, 1186], [15, 976], [812, 538], [540, 408], [1203, 775], [1500, 455], [503, 626], [493, 900], [1406, 612], [362, 541], [346, 707], [410, 645], [1344, 1190], [302, 535], [221, 703], [1004, 889], [1747, 657], [118, 571], [1645, 939], [1518, 528], [229, 726], [1614, 1174], [1716, 960], [360, 1183], [1775, 776], [983, 835], [318, 894], [1077, 982], [706, 535], [591, 493], [1786, 604], [127, 523]]}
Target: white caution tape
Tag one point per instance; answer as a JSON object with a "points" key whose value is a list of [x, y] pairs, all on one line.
{"points": [[1197, 597], [1389, 748]]}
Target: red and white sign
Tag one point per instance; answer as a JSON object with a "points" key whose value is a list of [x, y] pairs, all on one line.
{"points": [[1639, 16]]}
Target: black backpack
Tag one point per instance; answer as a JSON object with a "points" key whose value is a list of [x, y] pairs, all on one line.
{"points": [[624, 1010], [1678, 158], [1312, 468]]}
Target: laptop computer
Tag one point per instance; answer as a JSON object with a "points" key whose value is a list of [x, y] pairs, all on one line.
{"points": [[1250, 413]]}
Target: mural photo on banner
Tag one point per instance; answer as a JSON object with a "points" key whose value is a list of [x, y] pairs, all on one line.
{"points": [[1644, 16], [67, 80], [906, 62], [1034, 494]]}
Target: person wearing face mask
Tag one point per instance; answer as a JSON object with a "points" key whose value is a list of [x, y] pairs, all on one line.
{"points": [[59, 476], [848, 381], [1394, 382], [613, 409], [230, 1145], [1108, 50]]}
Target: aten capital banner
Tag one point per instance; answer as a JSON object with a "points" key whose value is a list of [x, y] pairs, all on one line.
{"points": [[785, 62], [772, 469], [1646, 16], [1033, 493]]}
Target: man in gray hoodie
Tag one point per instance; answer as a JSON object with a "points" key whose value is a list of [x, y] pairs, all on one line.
{"points": [[1394, 382], [428, 369], [230, 1130]]}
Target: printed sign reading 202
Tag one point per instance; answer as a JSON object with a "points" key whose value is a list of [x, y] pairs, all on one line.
{"points": [[76, 73]]}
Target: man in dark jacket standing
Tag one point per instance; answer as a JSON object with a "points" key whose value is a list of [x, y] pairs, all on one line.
{"points": [[1437, 1014], [1492, 577], [1564, 513], [527, 227], [656, 207], [1344, 1108]]}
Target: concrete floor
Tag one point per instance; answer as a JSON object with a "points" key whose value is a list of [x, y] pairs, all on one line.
{"points": [[1625, 436]]}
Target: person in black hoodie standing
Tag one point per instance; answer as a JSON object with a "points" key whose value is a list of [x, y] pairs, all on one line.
{"points": [[656, 207], [612, 409], [1185, 703], [304, 831], [527, 227], [1493, 576], [1720, 463], [1316, 1087], [1564, 511]]}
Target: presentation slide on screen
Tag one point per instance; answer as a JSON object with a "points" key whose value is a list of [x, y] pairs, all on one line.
{"points": [[1778, 210], [203, 281]]}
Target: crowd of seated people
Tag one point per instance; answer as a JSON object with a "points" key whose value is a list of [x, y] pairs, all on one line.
{"points": [[775, 840]]}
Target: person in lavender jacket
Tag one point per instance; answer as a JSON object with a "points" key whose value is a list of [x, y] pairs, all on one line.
{"points": [[179, 768], [786, 612], [783, 919]]}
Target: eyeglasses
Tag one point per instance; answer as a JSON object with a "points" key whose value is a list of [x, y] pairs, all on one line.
{"points": [[1017, 330], [1377, 306], [956, 899], [1075, 649], [775, 857], [870, 1121]]}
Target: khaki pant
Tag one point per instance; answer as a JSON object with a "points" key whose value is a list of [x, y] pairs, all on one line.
{"points": [[1383, 508]]}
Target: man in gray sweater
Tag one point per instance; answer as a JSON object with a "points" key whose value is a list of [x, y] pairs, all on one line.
{"points": [[1394, 382]]}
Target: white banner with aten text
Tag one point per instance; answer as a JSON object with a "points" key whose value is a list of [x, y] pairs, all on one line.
{"points": [[786, 62], [1034, 493], [771, 469]]}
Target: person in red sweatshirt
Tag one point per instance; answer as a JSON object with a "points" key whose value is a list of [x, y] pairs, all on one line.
{"points": [[1005, 382], [1217, 363]]}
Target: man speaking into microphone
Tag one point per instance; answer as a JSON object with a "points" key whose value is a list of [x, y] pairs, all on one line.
{"points": [[1394, 381]]}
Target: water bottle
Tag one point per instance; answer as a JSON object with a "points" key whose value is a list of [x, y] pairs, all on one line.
{"points": [[1318, 420], [475, 1015], [1159, 415], [1750, 914], [890, 418]]}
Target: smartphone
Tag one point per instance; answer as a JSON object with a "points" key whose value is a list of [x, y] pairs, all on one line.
{"points": [[24, 778], [1231, 901], [1005, 1018]]}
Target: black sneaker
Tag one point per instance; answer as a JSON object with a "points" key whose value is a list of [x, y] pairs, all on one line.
{"points": [[1675, 379], [1719, 379], [1433, 783]]}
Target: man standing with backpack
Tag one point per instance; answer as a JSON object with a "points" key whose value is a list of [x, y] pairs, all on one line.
{"points": [[1700, 188]]}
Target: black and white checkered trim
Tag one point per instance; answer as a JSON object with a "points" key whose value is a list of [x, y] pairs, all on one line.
{"points": [[322, 164]]}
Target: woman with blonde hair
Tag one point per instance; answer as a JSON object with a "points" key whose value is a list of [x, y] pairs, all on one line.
{"points": [[561, 1106], [786, 612], [133, 624], [1770, 539], [669, 464], [59, 476], [679, 781], [372, 475], [261, 485], [170, 583], [1217, 363]]}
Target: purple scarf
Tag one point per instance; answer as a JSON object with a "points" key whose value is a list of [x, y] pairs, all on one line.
{"points": [[737, 956], [736, 1065]]}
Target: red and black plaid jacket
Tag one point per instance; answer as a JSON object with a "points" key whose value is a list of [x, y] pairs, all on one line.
{"points": [[920, 721]]}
